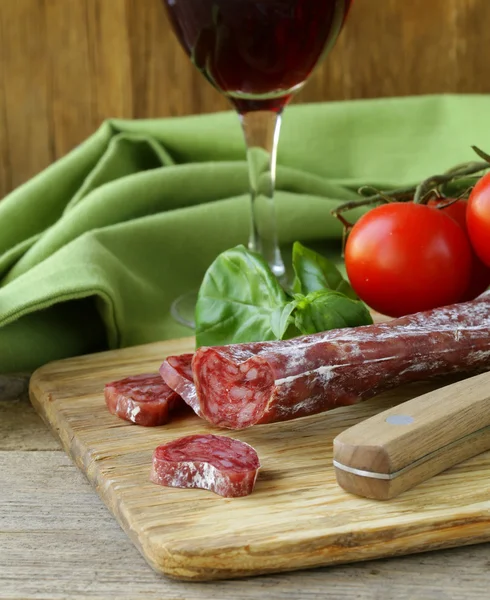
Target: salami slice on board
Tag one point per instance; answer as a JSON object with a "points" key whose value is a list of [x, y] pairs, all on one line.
{"points": [[222, 465], [247, 384], [142, 399], [176, 371]]}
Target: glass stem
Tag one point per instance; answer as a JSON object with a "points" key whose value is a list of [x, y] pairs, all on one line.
{"points": [[261, 130]]}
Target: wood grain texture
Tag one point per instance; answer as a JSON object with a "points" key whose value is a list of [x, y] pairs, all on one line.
{"points": [[45, 502], [65, 65], [22, 429], [297, 516], [25, 112]]}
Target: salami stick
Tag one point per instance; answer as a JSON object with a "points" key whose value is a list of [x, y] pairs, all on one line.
{"points": [[248, 384]]}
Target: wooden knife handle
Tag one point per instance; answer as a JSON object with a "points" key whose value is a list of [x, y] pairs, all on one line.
{"points": [[405, 445]]}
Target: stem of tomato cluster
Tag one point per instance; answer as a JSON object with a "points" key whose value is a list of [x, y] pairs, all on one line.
{"points": [[261, 130], [421, 193], [418, 194]]}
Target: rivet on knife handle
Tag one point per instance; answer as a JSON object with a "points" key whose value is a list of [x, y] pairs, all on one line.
{"points": [[405, 445]]}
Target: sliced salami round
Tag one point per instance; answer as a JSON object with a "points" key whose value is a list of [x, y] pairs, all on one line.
{"points": [[219, 464], [176, 371], [142, 399]]}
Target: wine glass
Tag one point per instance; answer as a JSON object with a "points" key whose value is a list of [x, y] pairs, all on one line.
{"points": [[258, 53]]}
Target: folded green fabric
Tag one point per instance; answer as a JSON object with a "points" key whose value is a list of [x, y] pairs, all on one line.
{"points": [[94, 249]]}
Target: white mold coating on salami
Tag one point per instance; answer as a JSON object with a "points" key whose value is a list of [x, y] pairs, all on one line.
{"points": [[246, 384], [219, 464]]}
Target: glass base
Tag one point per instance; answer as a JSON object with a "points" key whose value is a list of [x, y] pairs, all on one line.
{"points": [[183, 309]]}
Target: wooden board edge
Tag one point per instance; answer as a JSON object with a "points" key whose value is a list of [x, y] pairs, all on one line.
{"points": [[193, 567]]}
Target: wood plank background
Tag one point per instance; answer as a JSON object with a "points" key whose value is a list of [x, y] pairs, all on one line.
{"points": [[65, 65]]}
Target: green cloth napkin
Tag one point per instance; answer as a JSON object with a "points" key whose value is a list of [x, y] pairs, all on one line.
{"points": [[94, 249]]}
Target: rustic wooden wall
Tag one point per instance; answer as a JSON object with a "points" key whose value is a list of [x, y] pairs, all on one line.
{"points": [[65, 65]]}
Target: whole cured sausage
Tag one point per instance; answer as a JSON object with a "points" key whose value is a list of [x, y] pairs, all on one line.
{"points": [[222, 465], [142, 399], [247, 384]]}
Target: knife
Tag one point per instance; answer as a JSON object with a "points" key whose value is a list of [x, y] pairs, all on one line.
{"points": [[399, 448]]}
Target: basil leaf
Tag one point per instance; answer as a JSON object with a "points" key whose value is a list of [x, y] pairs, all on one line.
{"points": [[282, 322], [314, 272], [239, 300], [327, 309]]}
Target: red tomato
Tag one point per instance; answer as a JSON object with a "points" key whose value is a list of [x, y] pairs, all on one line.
{"points": [[402, 258], [480, 273], [456, 210], [478, 218]]}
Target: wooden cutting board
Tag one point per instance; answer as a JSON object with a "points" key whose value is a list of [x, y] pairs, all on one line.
{"points": [[297, 516]]}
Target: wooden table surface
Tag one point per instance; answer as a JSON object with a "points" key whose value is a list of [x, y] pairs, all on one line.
{"points": [[57, 540]]}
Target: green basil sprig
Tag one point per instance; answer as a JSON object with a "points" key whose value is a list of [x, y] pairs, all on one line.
{"points": [[240, 299], [314, 273], [328, 309]]}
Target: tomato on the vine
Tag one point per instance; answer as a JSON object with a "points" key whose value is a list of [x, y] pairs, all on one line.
{"points": [[480, 273], [403, 257], [455, 209], [478, 218]]}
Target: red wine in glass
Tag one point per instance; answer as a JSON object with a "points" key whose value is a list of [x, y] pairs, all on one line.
{"points": [[258, 53]]}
